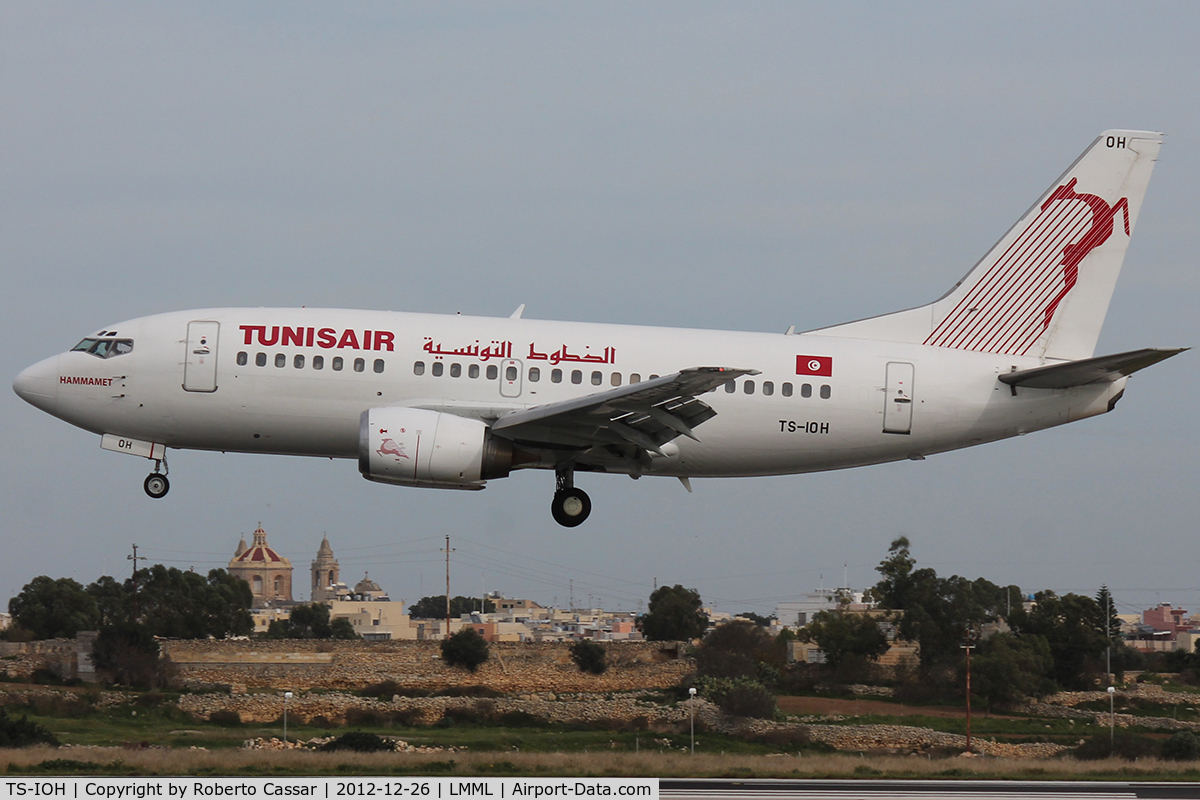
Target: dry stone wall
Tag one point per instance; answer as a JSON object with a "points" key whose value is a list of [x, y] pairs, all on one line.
{"points": [[513, 668]]}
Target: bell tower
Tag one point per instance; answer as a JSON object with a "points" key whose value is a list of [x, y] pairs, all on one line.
{"points": [[324, 573]]}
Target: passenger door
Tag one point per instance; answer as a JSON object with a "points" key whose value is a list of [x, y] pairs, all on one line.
{"points": [[200, 359], [898, 398]]}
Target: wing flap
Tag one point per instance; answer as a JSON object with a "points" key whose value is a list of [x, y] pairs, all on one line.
{"points": [[646, 415], [1102, 369]]}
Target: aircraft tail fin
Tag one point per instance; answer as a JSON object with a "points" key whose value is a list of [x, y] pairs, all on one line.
{"points": [[1044, 288]]}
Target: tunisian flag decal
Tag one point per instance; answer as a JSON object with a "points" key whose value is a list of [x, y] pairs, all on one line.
{"points": [[821, 366]]}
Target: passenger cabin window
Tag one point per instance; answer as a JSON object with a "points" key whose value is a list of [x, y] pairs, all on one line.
{"points": [[635, 377], [768, 388], [825, 391], [615, 380], [749, 387], [786, 390], [298, 362], [318, 362], [535, 374], [337, 364], [576, 376], [242, 359], [104, 348], [597, 378], [806, 390], [419, 368], [280, 360], [456, 370], [378, 365], [493, 372], [556, 376], [730, 387], [359, 364], [473, 371], [260, 360], [438, 369]]}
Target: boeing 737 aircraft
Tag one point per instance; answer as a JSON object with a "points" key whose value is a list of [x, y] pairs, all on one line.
{"points": [[450, 402]]}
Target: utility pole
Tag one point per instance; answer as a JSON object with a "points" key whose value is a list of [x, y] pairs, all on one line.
{"points": [[968, 647], [448, 551], [135, 558]]}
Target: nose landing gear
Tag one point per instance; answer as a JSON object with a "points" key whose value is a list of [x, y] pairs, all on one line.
{"points": [[156, 483], [570, 506]]}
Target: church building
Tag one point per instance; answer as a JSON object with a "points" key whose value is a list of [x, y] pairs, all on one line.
{"points": [[268, 573]]}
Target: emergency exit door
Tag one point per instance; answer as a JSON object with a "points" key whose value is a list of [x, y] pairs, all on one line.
{"points": [[200, 359], [898, 398]]}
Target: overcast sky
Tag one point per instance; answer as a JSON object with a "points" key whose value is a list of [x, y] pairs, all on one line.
{"points": [[740, 166]]}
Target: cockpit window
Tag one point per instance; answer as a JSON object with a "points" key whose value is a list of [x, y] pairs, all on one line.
{"points": [[105, 348]]}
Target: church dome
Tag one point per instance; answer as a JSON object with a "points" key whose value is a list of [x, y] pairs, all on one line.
{"points": [[259, 552], [366, 585]]}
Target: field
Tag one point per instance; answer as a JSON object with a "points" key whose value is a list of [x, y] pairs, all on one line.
{"points": [[150, 736]]}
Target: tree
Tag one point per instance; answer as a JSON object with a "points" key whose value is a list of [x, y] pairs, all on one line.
{"points": [[674, 614], [128, 653], [757, 619], [936, 612], [435, 607], [589, 657], [465, 649], [734, 649], [54, 608], [1073, 627], [186, 605], [847, 640], [311, 621], [1009, 667]]}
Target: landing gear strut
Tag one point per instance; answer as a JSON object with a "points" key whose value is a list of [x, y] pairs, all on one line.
{"points": [[570, 506], [156, 483]]}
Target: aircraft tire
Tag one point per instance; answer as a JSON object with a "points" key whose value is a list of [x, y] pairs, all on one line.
{"points": [[570, 507], [156, 485]]}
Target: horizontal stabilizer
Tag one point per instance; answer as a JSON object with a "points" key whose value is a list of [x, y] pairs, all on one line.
{"points": [[1102, 369]]}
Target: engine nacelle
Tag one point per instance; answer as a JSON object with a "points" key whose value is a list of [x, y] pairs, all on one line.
{"points": [[417, 447]]}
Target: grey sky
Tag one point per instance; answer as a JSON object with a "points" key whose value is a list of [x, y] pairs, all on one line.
{"points": [[740, 166]]}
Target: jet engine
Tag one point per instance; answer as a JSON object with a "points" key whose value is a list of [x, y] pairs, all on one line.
{"points": [[418, 447]]}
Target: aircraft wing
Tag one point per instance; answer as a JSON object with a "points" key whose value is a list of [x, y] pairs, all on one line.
{"points": [[647, 414], [1102, 369]]}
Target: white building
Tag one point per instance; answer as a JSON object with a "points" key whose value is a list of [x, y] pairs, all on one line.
{"points": [[798, 613]]}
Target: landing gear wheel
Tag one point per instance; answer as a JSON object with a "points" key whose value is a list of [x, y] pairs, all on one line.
{"points": [[570, 507], [156, 485]]}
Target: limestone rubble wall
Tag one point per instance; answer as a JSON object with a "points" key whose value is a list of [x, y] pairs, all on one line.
{"points": [[513, 668]]}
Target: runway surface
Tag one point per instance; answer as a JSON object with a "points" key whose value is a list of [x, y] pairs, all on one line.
{"points": [[709, 789]]}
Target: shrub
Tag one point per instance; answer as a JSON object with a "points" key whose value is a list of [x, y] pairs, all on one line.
{"points": [[359, 742], [1183, 746], [749, 700], [465, 649], [519, 719], [468, 691], [1126, 745], [365, 717], [23, 733], [589, 657], [384, 690], [226, 719]]}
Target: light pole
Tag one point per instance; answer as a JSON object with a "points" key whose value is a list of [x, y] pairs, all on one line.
{"points": [[286, 696], [692, 710], [1112, 692]]}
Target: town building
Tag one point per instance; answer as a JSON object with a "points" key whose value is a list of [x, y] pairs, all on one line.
{"points": [[325, 574], [268, 573]]}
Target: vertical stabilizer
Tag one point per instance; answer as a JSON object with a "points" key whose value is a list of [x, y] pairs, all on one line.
{"points": [[1044, 288]]}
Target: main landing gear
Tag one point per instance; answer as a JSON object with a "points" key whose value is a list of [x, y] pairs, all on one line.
{"points": [[156, 483], [570, 506]]}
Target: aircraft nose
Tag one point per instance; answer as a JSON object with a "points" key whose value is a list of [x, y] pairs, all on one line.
{"points": [[38, 385]]}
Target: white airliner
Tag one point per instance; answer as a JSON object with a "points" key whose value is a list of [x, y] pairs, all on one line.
{"points": [[450, 402]]}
